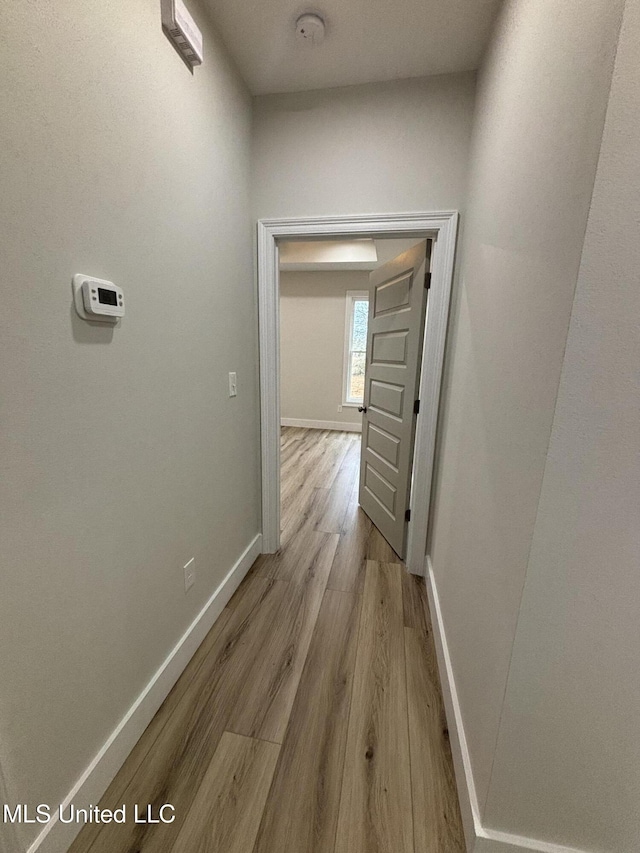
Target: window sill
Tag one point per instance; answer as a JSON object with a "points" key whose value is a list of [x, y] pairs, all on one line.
{"points": [[351, 405]]}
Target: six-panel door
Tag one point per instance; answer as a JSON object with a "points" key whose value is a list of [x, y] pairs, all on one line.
{"points": [[397, 306]]}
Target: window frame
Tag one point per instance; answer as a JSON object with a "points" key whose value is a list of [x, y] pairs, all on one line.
{"points": [[352, 297]]}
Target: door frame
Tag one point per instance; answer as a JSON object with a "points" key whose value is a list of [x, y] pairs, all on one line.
{"points": [[440, 226]]}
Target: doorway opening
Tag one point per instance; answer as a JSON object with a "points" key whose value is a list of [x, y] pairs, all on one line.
{"points": [[351, 321], [386, 401]]}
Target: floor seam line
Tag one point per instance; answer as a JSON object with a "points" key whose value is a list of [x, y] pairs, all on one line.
{"points": [[252, 737], [346, 741]]}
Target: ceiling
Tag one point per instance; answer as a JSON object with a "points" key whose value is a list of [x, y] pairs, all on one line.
{"points": [[327, 254], [366, 40], [341, 255]]}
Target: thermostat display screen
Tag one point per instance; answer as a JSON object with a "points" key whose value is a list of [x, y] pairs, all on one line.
{"points": [[107, 297]]}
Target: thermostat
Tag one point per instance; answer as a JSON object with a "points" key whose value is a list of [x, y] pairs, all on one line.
{"points": [[97, 299]]}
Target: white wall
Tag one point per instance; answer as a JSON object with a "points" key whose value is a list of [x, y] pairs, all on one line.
{"points": [[312, 332], [542, 98], [379, 148], [122, 455], [567, 767]]}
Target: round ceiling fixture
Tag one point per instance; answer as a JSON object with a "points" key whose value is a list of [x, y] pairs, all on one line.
{"points": [[310, 28]]}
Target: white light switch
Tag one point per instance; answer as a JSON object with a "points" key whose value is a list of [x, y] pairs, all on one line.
{"points": [[190, 574], [233, 385]]}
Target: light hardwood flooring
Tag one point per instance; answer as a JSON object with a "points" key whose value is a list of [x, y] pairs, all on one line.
{"points": [[310, 720]]}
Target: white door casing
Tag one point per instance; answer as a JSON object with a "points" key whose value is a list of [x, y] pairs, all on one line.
{"points": [[440, 227], [397, 302]]}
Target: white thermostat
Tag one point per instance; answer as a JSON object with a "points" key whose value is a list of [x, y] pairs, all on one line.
{"points": [[97, 299]]}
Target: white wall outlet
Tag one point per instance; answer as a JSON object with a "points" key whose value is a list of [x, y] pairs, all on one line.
{"points": [[233, 385], [339, 408], [190, 574]]}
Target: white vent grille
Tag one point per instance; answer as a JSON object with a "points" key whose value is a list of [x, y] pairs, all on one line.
{"points": [[182, 30]]}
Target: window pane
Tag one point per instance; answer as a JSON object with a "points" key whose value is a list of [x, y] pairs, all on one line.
{"points": [[356, 377], [360, 317]]}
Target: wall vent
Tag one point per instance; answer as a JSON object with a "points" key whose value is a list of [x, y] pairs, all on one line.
{"points": [[182, 30]]}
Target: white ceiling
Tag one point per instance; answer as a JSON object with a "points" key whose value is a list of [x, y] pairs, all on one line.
{"points": [[366, 40], [341, 255], [301, 254]]}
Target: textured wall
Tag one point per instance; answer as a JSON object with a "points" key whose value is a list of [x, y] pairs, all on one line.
{"points": [[541, 105], [567, 767], [379, 148], [122, 455], [312, 330]]}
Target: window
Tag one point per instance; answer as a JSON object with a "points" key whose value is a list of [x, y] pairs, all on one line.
{"points": [[355, 347]]}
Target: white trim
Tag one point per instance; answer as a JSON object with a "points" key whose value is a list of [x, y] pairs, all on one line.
{"points": [[298, 422], [269, 344], [8, 834], [459, 748], [479, 839], [435, 332], [494, 841], [351, 297], [442, 227], [56, 837]]}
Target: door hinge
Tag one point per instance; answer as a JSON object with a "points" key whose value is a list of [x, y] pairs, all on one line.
{"points": [[416, 407], [407, 515], [427, 280]]}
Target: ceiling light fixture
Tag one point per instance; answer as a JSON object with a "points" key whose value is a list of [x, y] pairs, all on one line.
{"points": [[310, 28]]}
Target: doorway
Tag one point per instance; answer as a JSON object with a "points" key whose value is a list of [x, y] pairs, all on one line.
{"points": [[438, 227], [325, 309]]}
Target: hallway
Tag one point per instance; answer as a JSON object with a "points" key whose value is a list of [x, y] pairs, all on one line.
{"points": [[290, 730]]}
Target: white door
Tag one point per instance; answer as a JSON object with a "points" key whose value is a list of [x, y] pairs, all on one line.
{"points": [[397, 303]]}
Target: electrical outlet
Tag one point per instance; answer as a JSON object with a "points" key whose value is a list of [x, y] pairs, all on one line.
{"points": [[339, 408], [190, 574], [233, 385]]}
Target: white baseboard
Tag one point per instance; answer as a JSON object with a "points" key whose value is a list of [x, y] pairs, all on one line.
{"points": [[56, 837], [297, 422], [493, 841], [479, 839], [9, 842], [459, 749]]}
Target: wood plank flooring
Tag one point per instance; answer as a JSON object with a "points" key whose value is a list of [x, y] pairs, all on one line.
{"points": [[310, 719], [375, 806], [228, 806]]}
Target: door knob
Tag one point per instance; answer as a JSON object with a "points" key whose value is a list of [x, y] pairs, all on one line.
{"points": [[362, 408]]}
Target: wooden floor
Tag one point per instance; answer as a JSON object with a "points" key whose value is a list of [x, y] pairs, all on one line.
{"points": [[310, 720]]}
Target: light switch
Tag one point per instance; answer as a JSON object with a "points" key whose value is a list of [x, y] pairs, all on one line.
{"points": [[189, 574], [233, 385]]}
